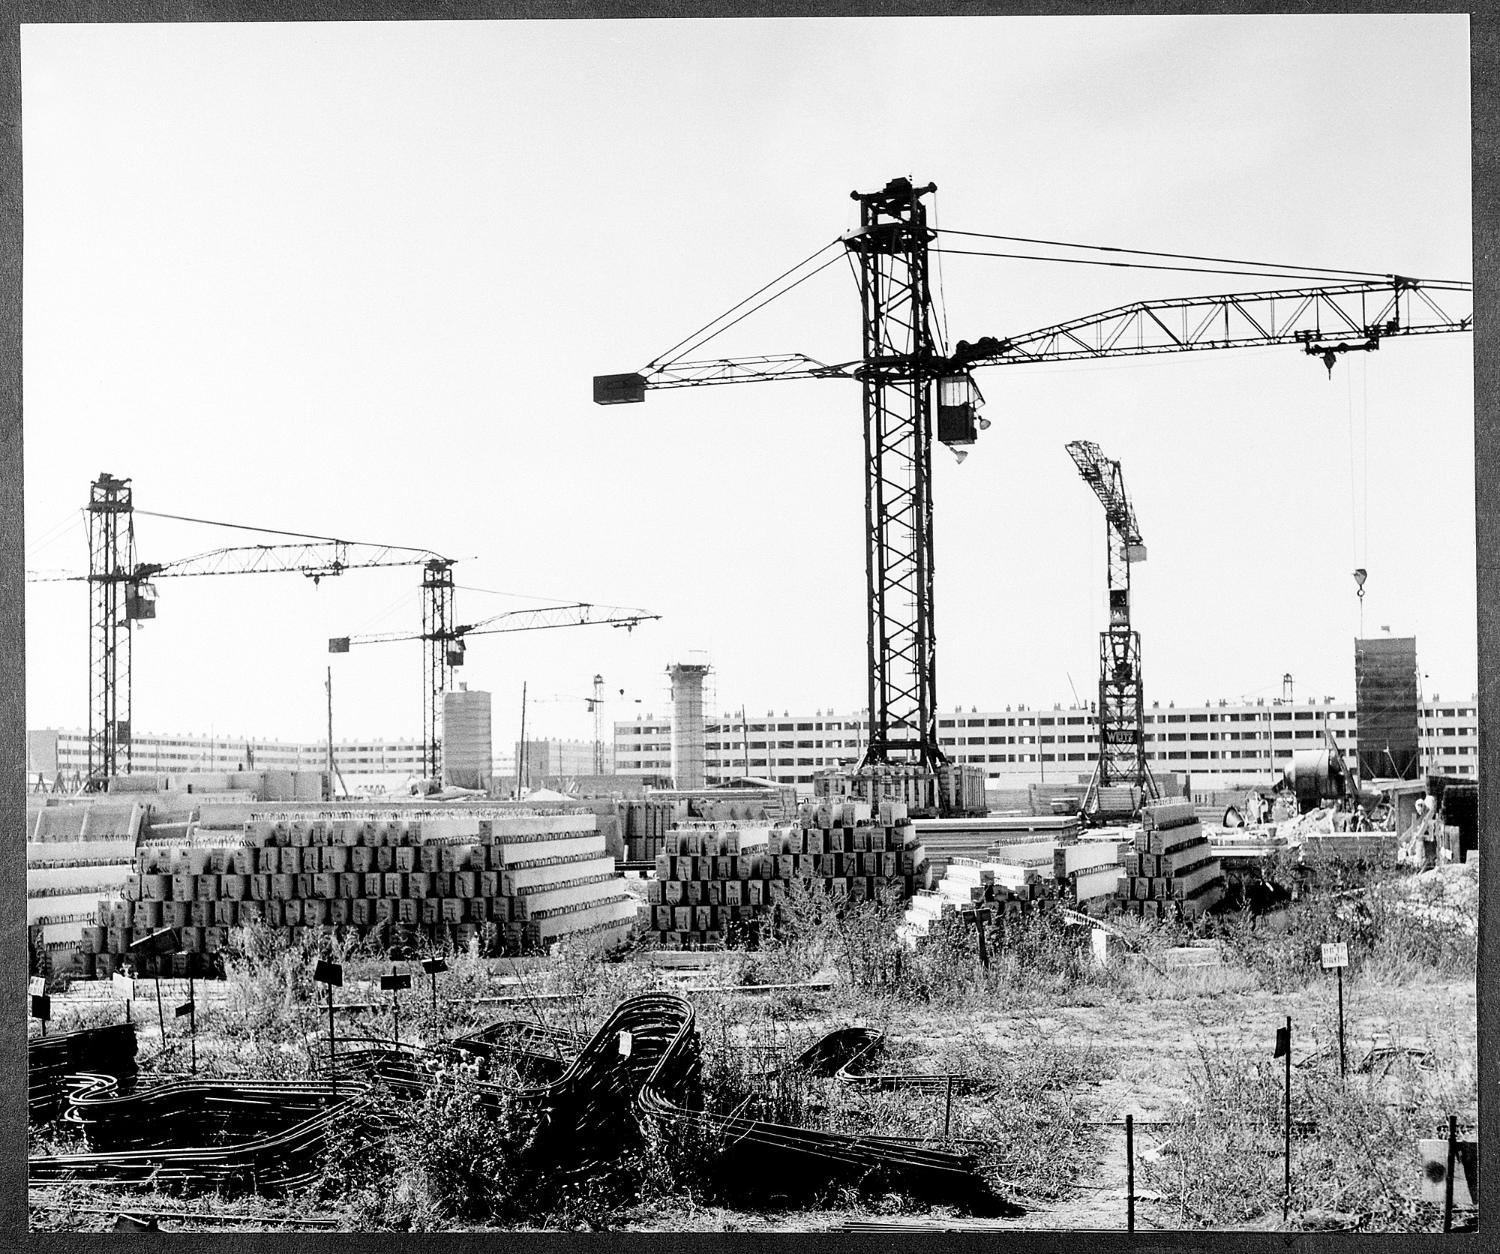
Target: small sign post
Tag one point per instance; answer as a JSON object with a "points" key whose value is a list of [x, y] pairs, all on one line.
{"points": [[1337, 957], [331, 975], [433, 966], [393, 984], [158, 944], [41, 1008], [1284, 1049]]}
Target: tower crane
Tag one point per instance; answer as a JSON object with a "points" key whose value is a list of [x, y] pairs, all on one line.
{"points": [[121, 593], [911, 386], [443, 642], [1122, 722]]}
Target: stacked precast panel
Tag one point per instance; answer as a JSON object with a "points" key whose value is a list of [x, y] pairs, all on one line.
{"points": [[513, 882], [1173, 869], [714, 879]]}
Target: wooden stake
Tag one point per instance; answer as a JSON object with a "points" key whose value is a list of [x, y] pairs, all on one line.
{"points": [[1343, 1072], [1286, 1195], [1448, 1179], [1130, 1173]]}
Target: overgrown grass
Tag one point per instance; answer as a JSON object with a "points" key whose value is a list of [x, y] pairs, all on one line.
{"points": [[1354, 1139], [1397, 928]]}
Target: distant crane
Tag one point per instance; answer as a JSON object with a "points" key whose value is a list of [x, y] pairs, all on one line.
{"points": [[444, 642], [595, 706], [1122, 720], [914, 388], [121, 593]]}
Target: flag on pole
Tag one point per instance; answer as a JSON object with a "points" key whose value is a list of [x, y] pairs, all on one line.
{"points": [[185, 1009], [1283, 1042]]}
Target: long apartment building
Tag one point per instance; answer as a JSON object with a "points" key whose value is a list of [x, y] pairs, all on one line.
{"points": [[51, 752], [1223, 744]]}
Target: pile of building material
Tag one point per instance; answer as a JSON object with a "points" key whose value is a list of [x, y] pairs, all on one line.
{"points": [[515, 881], [1173, 868], [76, 851], [710, 878], [643, 826], [977, 836], [1090, 873], [1018, 876], [953, 788]]}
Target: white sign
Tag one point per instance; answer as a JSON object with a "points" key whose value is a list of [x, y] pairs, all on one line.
{"points": [[1101, 947], [1335, 956], [124, 986], [36, 985]]}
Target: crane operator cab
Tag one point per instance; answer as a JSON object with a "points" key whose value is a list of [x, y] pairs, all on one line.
{"points": [[958, 404]]}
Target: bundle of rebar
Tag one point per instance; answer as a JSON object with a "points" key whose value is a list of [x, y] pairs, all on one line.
{"points": [[50, 1060], [267, 1136]]}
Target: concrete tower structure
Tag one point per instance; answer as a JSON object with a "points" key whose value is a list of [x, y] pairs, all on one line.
{"points": [[687, 724]]}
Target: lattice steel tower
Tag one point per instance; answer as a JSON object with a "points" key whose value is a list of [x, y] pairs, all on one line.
{"points": [[117, 597], [1122, 735], [899, 364], [442, 650]]}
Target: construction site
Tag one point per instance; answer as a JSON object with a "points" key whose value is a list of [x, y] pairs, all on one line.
{"points": [[890, 977]]}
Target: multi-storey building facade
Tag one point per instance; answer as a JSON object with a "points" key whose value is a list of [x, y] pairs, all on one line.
{"points": [[1223, 744], [51, 753]]}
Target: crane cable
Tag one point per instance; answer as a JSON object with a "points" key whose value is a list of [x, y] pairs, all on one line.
{"points": [[1148, 252], [273, 531], [1126, 265], [692, 341]]}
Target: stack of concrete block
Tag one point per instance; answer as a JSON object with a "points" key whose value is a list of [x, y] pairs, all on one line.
{"points": [[643, 826], [75, 851], [511, 881], [913, 787], [711, 878], [1173, 869], [1089, 873], [1085, 872], [962, 788]]}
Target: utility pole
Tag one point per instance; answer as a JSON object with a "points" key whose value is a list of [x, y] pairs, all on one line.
{"points": [[521, 748], [328, 684]]}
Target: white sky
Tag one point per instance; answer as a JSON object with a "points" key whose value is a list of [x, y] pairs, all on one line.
{"points": [[355, 280]]}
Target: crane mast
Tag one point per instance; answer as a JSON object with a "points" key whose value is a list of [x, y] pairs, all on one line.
{"points": [[898, 368], [1122, 721], [442, 650], [114, 602]]}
